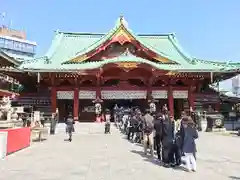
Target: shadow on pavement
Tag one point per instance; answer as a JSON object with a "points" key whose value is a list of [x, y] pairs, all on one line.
{"points": [[147, 158], [180, 168], [234, 177], [37, 140]]}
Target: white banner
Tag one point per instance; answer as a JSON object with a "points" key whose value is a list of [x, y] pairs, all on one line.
{"points": [[36, 116], [83, 94], [3, 144], [65, 94], [180, 94], [159, 94], [124, 94]]}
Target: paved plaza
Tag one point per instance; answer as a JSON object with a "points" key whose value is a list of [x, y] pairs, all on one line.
{"points": [[95, 156]]}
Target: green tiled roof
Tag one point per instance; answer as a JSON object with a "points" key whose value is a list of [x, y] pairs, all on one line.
{"points": [[66, 46], [41, 65], [146, 42]]}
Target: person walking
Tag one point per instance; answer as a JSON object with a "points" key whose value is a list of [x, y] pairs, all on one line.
{"points": [[70, 126], [53, 124], [107, 121], [189, 145], [148, 127]]}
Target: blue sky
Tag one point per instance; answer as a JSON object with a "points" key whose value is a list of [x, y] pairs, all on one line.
{"points": [[207, 29]]}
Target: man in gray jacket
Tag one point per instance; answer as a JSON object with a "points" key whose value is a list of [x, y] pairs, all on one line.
{"points": [[148, 127]]}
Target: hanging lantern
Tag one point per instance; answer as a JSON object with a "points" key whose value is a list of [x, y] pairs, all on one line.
{"points": [[98, 106], [38, 77], [152, 107], [152, 104]]}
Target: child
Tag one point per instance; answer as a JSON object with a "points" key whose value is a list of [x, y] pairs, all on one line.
{"points": [[189, 145]]}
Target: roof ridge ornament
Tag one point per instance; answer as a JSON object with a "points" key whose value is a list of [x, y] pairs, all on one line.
{"points": [[123, 21]]}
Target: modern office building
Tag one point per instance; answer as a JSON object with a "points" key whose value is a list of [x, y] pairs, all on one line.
{"points": [[15, 44]]}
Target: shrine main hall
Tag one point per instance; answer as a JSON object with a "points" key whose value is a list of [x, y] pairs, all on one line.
{"points": [[121, 67]]}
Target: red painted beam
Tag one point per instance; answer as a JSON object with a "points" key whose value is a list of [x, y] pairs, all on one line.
{"points": [[7, 93]]}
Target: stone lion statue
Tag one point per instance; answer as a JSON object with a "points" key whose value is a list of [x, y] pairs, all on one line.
{"points": [[5, 108]]}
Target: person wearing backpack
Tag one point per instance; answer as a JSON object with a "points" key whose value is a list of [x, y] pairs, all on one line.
{"points": [[70, 126], [148, 127]]}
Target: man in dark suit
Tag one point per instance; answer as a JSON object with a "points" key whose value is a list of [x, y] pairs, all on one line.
{"points": [[158, 126], [167, 139]]}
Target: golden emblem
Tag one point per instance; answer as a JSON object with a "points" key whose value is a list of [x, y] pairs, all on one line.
{"points": [[128, 65]]}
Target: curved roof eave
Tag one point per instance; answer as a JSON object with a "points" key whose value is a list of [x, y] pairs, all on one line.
{"points": [[99, 64], [179, 48], [54, 44], [10, 59]]}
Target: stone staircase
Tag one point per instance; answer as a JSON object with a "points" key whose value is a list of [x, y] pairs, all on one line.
{"points": [[39, 101]]}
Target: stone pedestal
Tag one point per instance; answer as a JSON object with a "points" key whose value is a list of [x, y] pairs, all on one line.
{"points": [[219, 130], [10, 124]]}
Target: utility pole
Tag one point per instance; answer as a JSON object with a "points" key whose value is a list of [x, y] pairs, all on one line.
{"points": [[3, 14]]}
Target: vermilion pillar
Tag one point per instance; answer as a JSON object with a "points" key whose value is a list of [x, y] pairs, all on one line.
{"points": [[191, 98], [53, 99], [76, 104], [217, 106], [98, 90], [98, 93], [149, 88], [170, 101]]}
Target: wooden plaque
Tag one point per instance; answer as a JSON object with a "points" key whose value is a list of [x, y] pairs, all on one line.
{"points": [[128, 65]]}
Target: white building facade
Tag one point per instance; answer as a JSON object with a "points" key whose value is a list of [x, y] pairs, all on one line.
{"points": [[236, 85], [15, 44]]}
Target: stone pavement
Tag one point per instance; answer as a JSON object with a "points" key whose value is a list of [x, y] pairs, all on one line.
{"points": [[95, 156]]}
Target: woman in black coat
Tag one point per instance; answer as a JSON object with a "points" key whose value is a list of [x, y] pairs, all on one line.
{"points": [[167, 140]]}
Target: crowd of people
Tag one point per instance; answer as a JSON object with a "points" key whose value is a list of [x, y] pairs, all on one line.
{"points": [[159, 132]]}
